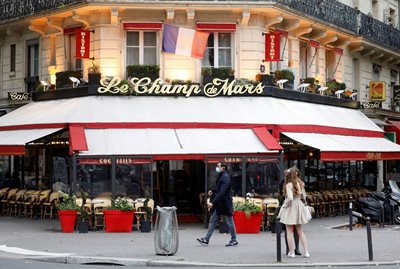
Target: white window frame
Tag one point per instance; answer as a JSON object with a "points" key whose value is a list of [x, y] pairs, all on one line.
{"points": [[216, 47], [72, 62], [30, 45], [141, 45]]}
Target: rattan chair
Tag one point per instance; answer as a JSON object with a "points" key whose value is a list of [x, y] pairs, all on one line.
{"points": [[49, 205], [6, 201], [99, 204]]}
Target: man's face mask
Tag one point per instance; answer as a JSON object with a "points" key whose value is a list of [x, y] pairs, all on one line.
{"points": [[218, 169]]}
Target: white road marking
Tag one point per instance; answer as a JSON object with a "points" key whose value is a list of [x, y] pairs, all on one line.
{"points": [[22, 251]]}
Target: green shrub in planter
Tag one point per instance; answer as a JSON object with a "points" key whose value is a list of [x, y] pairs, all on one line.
{"points": [[141, 71], [62, 78]]}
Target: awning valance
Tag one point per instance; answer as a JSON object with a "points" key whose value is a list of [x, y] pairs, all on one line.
{"points": [[341, 147], [167, 143], [142, 25], [216, 27], [13, 142]]}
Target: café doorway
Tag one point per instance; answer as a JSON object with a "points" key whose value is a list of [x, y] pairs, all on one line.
{"points": [[180, 183]]}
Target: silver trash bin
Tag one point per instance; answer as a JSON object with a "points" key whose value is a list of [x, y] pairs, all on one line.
{"points": [[166, 237]]}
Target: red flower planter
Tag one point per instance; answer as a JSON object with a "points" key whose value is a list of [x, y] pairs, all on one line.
{"points": [[247, 224], [118, 221], [67, 220]]}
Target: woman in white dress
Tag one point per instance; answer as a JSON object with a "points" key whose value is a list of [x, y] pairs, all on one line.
{"points": [[292, 212]]}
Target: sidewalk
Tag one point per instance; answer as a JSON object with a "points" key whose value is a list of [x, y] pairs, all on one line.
{"points": [[327, 246]]}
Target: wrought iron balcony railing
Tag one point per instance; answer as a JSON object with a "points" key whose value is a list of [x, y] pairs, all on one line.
{"points": [[326, 11], [379, 32], [329, 11], [15, 9]]}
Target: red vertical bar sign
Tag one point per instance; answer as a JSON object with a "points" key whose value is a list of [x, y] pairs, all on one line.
{"points": [[82, 44], [272, 47]]}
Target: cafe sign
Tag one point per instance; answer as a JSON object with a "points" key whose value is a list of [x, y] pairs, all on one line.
{"points": [[145, 86], [371, 105], [377, 91], [396, 94], [19, 96], [373, 156]]}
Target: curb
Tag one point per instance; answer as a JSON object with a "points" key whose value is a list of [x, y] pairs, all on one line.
{"points": [[179, 263]]}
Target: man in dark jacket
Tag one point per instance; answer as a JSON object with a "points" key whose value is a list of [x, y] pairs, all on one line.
{"points": [[221, 204]]}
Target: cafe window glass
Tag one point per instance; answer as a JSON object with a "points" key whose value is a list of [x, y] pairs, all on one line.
{"points": [[72, 62], [234, 170], [13, 52], [219, 50], [141, 48], [134, 179], [262, 176], [33, 57], [94, 177]]}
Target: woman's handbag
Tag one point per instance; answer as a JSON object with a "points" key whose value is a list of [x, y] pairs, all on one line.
{"points": [[308, 211]]}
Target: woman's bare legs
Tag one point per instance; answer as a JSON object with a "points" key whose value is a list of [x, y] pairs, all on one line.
{"points": [[302, 238], [290, 238]]}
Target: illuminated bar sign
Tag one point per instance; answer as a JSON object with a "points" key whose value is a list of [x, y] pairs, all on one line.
{"points": [[377, 91], [145, 86]]}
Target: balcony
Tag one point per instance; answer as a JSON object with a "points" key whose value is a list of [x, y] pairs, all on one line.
{"points": [[334, 13], [327, 11], [11, 10]]}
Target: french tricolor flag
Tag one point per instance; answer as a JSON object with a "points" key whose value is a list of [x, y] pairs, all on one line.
{"points": [[184, 41]]}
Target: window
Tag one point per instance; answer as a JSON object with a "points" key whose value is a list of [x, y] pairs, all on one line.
{"points": [[72, 62], [219, 50], [141, 48], [33, 58], [12, 57]]}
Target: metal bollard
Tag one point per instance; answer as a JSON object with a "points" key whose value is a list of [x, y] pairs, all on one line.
{"points": [[351, 216], [278, 241], [369, 239]]}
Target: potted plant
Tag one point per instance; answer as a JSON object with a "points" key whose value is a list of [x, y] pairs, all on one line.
{"points": [[67, 212], [313, 86], [247, 216], [141, 71], [285, 74], [334, 86], [62, 78], [94, 74], [119, 216], [145, 225], [209, 73], [83, 216]]}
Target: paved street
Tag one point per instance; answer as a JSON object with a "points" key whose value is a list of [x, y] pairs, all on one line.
{"points": [[39, 238]]}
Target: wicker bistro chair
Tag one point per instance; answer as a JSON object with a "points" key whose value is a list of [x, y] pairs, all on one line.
{"points": [[24, 199], [15, 202], [43, 197], [6, 201], [271, 205], [88, 207], [3, 196], [99, 204], [140, 213], [49, 205], [260, 203], [30, 202]]}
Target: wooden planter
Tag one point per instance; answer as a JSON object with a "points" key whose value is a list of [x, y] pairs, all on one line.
{"points": [[67, 220], [117, 221], [247, 224]]}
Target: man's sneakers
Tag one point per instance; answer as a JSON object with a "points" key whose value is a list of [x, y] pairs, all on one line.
{"points": [[232, 243], [202, 241]]}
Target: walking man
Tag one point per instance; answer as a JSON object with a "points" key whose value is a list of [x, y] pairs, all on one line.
{"points": [[221, 204]]}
